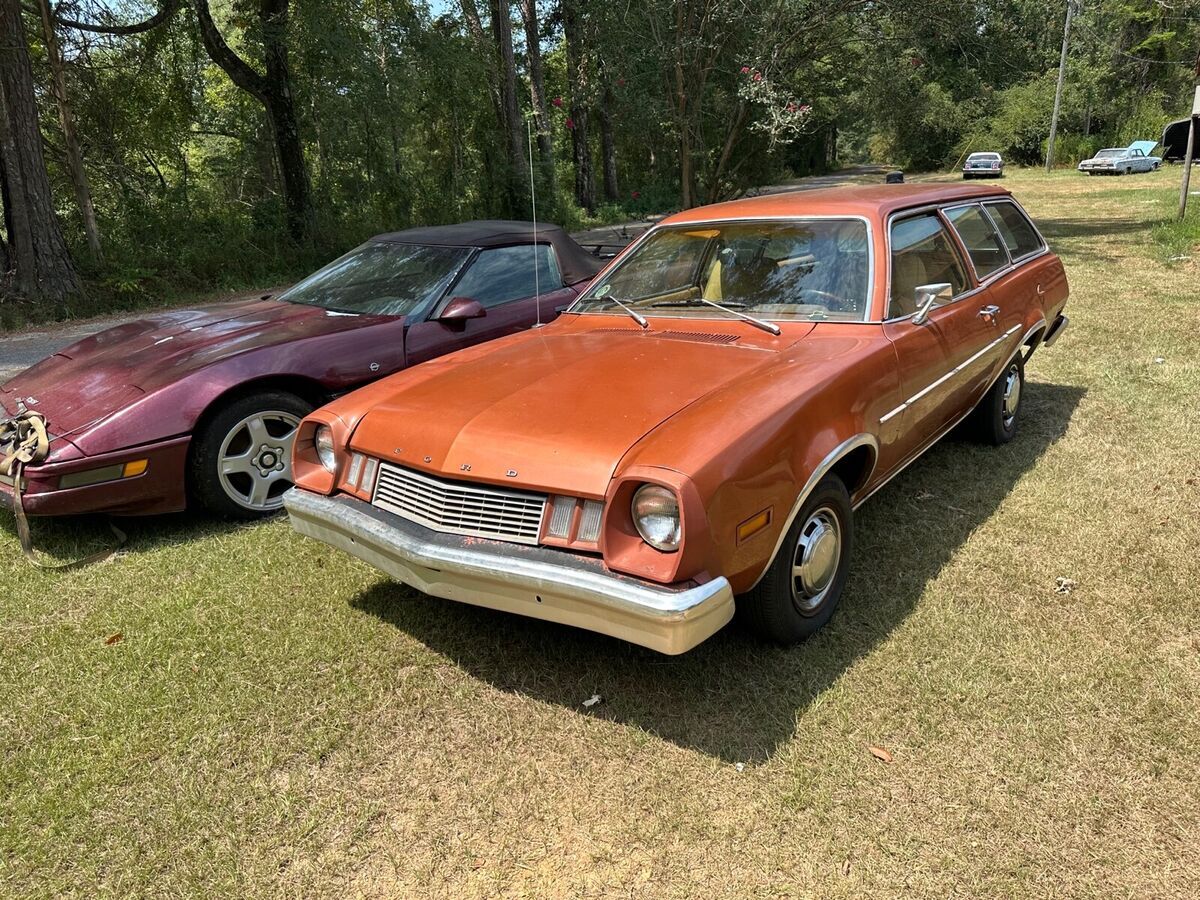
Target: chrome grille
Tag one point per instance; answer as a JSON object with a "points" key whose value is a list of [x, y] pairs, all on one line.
{"points": [[455, 507]]}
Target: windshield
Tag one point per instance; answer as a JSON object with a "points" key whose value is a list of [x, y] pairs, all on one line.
{"points": [[991, 157], [382, 278], [798, 269], [1107, 154]]}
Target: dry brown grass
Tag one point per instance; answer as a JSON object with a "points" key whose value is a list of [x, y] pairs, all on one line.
{"points": [[279, 720]]}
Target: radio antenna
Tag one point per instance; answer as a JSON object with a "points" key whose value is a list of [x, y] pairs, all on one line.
{"points": [[537, 287]]}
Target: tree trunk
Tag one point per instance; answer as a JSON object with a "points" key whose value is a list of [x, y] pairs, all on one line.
{"points": [[537, 91], [608, 147], [514, 137], [41, 262], [577, 77], [66, 119], [274, 92]]}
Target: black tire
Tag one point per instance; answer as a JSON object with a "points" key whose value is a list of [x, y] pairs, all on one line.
{"points": [[995, 420], [227, 434], [966, 177], [775, 607]]}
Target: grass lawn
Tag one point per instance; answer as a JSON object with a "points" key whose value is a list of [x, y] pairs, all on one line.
{"points": [[276, 719]]}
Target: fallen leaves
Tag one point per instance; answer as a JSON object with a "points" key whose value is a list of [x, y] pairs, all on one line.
{"points": [[114, 639], [880, 753], [1064, 585]]}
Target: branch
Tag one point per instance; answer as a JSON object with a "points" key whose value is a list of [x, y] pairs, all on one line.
{"points": [[234, 66], [165, 11]]}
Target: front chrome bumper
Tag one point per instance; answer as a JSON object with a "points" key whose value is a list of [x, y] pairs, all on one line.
{"points": [[538, 582]]}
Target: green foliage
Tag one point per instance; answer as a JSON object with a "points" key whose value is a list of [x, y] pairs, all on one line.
{"points": [[398, 120]]}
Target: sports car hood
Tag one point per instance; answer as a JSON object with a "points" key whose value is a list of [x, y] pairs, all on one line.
{"points": [[555, 410], [89, 380]]}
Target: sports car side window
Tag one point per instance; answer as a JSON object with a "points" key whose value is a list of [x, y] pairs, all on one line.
{"points": [[503, 274], [1018, 232], [980, 238], [922, 253]]}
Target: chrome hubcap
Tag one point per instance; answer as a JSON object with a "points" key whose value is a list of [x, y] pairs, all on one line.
{"points": [[256, 460], [815, 563], [1012, 395]]}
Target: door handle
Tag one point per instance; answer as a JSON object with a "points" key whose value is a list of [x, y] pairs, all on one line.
{"points": [[989, 313]]}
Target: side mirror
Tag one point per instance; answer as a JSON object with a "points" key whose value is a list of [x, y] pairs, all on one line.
{"points": [[928, 296], [459, 309]]}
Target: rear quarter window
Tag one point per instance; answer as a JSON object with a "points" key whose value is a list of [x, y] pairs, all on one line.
{"points": [[1015, 229]]}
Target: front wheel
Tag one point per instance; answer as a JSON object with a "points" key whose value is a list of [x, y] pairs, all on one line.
{"points": [[241, 460], [994, 420], [801, 588]]}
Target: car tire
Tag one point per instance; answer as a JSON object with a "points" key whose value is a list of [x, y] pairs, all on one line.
{"points": [[966, 177], [788, 605], [241, 457], [994, 421]]}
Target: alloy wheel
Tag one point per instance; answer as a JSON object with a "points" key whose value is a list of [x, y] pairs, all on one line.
{"points": [[255, 461]]}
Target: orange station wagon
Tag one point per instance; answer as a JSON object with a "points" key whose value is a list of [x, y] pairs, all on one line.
{"points": [[696, 431]]}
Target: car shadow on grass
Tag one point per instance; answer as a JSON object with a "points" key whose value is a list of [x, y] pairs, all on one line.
{"points": [[734, 697]]}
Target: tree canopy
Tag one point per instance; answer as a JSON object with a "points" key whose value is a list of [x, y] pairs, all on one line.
{"points": [[192, 144]]}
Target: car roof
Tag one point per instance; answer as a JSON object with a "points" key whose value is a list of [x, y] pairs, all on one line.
{"points": [[857, 200], [985, 153]]}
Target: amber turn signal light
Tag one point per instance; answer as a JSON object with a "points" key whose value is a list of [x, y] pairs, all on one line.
{"points": [[754, 525], [137, 467]]}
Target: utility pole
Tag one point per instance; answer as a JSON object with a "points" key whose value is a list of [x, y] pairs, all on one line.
{"points": [[1062, 75], [1193, 125]]}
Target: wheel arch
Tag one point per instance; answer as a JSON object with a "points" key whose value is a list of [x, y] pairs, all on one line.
{"points": [[308, 389], [853, 459]]}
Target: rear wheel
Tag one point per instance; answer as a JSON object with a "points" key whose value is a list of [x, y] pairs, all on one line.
{"points": [[994, 420], [241, 461], [803, 584]]}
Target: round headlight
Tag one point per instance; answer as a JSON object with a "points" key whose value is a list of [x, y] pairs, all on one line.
{"points": [[656, 515], [323, 441]]}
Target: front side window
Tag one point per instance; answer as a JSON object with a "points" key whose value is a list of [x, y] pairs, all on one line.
{"points": [[811, 269], [381, 278], [980, 238], [1015, 229], [503, 274], [922, 253]]}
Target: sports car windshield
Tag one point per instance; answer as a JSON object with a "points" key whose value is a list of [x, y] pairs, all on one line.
{"points": [[382, 278], [811, 269]]}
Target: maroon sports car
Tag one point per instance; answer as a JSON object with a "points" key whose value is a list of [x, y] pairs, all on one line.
{"points": [[203, 404]]}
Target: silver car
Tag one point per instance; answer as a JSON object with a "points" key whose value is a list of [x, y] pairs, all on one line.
{"points": [[983, 165], [1122, 160]]}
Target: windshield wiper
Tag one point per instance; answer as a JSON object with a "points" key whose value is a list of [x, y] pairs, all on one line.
{"points": [[760, 323], [637, 317], [731, 305]]}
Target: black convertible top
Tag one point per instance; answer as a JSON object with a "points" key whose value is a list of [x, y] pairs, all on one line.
{"points": [[575, 262]]}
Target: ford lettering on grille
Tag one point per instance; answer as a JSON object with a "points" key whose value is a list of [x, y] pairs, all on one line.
{"points": [[456, 507]]}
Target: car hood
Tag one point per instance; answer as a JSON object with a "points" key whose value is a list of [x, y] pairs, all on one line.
{"points": [[552, 410], [90, 380]]}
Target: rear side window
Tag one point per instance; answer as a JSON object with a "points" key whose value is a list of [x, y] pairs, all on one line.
{"points": [[922, 253], [980, 238], [1017, 231]]}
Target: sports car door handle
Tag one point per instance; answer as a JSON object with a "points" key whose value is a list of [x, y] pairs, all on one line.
{"points": [[989, 313]]}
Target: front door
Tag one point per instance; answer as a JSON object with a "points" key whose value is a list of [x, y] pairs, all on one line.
{"points": [[939, 360]]}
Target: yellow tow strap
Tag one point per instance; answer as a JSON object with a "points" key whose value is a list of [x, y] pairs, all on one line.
{"points": [[24, 441]]}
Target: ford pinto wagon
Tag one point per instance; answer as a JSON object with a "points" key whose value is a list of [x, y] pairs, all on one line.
{"points": [[698, 428]]}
